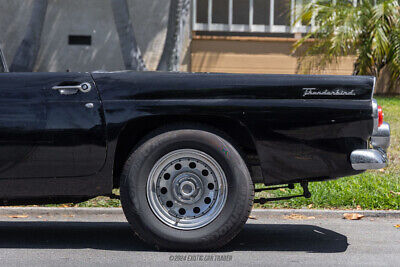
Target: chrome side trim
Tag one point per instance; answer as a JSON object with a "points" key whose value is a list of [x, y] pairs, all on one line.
{"points": [[373, 88], [366, 159], [381, 137], [375, 115]]}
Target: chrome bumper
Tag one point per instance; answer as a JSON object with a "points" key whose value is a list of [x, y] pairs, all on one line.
{"points": [[381, 138], [365, 159]]}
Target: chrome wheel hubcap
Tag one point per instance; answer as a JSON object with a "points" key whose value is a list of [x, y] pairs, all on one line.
{"points": [[186, 189]]}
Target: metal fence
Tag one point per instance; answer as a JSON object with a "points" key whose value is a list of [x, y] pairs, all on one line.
{"points": [[270, 25]]}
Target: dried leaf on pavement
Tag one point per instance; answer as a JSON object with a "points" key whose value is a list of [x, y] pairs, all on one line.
{"points": [[18, 216], [395, 193], [295, 216], [397, 226], [352, 216], [252, 217]]}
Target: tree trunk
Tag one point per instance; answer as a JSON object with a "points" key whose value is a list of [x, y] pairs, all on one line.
{"points": [[177, 19], [129, 48], [3, 63], [27, 52]]}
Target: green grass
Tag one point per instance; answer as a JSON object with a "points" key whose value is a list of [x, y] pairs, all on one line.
{"points": [[370, 190]]}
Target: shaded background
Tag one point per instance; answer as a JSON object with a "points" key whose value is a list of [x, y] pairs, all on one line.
{"points": [[92, 19]]}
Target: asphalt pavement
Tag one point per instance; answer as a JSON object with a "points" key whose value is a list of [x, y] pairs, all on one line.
{"points": [[276, 239]]}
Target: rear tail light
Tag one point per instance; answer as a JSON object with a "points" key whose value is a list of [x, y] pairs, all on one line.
{"points": [[380, 116]]}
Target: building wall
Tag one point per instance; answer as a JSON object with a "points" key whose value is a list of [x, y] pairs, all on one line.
{"points": [[85, 17], [251, 55], [73, 17], [14, 16]]}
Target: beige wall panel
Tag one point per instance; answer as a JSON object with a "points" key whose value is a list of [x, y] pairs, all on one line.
{"points": [[252, 56]]}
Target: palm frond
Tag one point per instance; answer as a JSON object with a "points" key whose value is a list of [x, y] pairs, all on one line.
{"points": [[394, 57], [370, 31]]}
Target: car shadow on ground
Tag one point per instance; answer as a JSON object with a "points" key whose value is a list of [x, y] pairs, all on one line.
{"points": [[288, 237], [118, 236]]}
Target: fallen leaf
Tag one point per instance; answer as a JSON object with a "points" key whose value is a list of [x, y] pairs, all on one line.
{"points": [[352, 216], [18, 216], [359, 207], [397, 226], [282, 189], [69, 215], [310, 206], [298, 217], [252, 217]]}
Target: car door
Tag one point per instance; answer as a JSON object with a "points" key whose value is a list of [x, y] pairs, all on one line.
{"points": [[49, 126]]}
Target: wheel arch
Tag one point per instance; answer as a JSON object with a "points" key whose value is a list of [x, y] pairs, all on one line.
{"points": [[136, 130]]}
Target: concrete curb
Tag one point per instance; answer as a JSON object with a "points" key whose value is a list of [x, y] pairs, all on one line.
{"points": [[266, 213], [36, 211], [324, 213]]}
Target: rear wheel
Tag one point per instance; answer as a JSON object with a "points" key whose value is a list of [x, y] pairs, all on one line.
{"points": [[186, 189]]}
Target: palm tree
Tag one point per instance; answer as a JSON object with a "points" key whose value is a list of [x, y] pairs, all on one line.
{"points": [[177, 20], [370, 31], [3, 63], [27, 52], [131, 54]]}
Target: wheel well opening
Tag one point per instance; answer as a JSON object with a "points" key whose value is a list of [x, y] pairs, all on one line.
{"points": [[136, 130]]}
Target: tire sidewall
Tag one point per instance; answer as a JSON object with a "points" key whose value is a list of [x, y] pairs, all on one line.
{"points": [[136, 177]]}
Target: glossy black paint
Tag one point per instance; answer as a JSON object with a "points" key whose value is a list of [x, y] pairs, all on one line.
{"points": [[48, 140], [296, 136]]}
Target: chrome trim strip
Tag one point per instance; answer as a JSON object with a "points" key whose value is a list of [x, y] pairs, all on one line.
{"points": [[373, 88], [366, 159], [375, 115]]}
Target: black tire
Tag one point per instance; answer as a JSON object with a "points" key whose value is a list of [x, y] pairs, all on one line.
{"points": [[152, 230]]}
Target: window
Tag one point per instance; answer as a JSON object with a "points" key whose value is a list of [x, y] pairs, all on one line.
{"points": [[265, 16]]}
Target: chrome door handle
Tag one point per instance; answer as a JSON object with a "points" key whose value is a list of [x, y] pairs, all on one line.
{"points": [[73, 89]]}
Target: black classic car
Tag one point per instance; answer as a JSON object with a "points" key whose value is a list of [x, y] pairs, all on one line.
{"points": [[185, 149]]}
